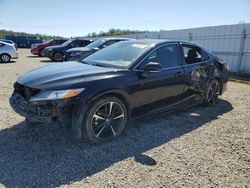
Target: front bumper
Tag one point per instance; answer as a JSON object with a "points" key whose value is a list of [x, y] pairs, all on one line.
{"points": [[34, 51], [45, 112], [34, 113], [48, 54]]}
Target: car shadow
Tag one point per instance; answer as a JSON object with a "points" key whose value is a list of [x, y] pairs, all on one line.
{"points": [[12, 61], [46, 61], [33, 56], [48, 156]]}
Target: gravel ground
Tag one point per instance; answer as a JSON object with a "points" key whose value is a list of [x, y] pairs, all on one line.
{"points": [[198, 147]]}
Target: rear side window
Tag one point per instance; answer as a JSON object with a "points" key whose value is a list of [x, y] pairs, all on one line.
{"points": [[166, 55], [85, 42], [194, 54], [58, 42]]}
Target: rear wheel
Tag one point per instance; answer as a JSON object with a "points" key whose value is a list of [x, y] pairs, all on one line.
{"points": [[58, 56], [105, 120], [5, 58], [212, 94]]}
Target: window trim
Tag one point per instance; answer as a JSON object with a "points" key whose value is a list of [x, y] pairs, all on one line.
{"points": [[153, 50]]}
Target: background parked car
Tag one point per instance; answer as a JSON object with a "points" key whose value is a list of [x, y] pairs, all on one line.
{"points": [[7, 52], [9, 42], [23, 41], [76, 54], [38, 49], [57, 53]]}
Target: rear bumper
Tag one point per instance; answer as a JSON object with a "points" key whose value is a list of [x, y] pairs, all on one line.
{"points": [[14, 55]]}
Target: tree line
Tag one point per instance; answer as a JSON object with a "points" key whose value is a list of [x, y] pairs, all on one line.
{"points": [[110, 32]]}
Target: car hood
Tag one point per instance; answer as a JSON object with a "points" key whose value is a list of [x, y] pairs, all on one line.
{"points": [[67, 75], [81, 49]]}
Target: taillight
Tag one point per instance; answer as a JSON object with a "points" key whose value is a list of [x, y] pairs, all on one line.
{"points": [[226, 66]]}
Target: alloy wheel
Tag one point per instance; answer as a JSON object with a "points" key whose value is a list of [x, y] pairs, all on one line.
{"points": [[213, 93], [58, 57], [5, 58], [108, 121]]}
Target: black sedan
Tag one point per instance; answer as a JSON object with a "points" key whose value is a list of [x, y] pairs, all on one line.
{"points": [[123, 81], [57, 53], [77, 54]]}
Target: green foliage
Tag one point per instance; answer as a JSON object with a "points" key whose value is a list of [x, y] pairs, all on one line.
{"points": [[111, 32], [114, 32], [4, 33]]}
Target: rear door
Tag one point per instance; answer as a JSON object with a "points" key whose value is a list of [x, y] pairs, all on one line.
{"points": [[198, 69], [160, 89]]}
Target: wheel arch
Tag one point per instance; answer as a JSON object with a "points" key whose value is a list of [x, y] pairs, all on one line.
{"points": [[120, 94]]}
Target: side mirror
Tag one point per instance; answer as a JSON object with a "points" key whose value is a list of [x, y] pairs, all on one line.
{"points": [[152, 66]]}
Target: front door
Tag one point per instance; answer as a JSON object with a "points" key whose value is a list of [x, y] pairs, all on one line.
{"points": [[160, 89]]}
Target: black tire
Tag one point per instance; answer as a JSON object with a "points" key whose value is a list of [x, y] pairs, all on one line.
{"points": [[41, 53], [212, 93], [5, 58], [58, 57], [102, 124]]}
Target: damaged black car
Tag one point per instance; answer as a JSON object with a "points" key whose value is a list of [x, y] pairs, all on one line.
{"points": [[130, 79]]}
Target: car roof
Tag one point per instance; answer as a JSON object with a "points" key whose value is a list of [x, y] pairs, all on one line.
{"points": [[6, 43], [115, 38], [156, 42]]}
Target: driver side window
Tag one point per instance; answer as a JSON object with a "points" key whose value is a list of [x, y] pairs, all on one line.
{"points": [[166, 55]]}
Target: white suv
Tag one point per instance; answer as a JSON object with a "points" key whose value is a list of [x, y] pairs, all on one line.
{"points": [[7, 52]]}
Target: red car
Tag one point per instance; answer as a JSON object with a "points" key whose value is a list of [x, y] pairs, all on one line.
{"points": [[38, 49]]}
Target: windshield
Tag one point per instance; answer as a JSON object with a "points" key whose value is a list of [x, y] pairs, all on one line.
{"points": [[119, 55], [66, 43], [96, 44]]}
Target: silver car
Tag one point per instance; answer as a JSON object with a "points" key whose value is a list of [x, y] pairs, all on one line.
{"points": [[7, 52]]}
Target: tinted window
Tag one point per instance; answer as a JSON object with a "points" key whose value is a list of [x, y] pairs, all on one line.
{"points": [[85, 42], [192, 54], [58, 42], [76, 43], [166, 55], [97, 43]]}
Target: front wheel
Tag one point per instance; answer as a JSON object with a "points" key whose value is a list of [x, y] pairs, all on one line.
{"points": [[58, 56], [105, 120], [212, 93]]}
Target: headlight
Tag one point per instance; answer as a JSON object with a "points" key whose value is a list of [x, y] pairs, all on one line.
{"points": [[54, 95], [75, 54], [49, 49]]}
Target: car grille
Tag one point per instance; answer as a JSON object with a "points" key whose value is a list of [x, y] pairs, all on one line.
{"points": [[25, 91]]}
